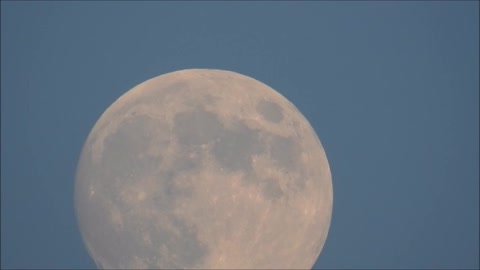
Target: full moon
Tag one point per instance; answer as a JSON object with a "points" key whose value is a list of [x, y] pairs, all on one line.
{"points": [[203, 168]]}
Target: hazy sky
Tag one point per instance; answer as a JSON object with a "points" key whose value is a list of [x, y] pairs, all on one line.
{"points": [[391, 88]]}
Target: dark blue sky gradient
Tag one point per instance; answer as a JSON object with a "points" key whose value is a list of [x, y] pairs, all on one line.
{"points": [[392, 89]]}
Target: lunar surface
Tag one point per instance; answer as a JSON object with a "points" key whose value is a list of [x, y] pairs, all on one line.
{"points": [[204, 169]]}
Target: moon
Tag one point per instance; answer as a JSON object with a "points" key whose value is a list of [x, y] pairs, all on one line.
{"points": [[203, 168]]}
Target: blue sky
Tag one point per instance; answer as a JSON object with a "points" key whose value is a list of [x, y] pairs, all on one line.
{"points": [[391, 88]]}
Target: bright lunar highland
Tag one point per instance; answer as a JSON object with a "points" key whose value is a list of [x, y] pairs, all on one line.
{"points": [[207, 169]]}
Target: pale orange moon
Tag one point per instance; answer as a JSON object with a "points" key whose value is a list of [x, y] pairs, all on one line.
{"points": [[206, 169]]}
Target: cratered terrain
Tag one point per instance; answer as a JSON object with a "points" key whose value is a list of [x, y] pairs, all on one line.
{"points": [[205, 169]]}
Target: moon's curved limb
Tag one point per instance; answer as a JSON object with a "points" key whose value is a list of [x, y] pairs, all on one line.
{"points": [[203, 169]]}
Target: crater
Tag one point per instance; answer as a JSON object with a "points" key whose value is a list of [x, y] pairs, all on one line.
{"points": [[270, 111]]}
